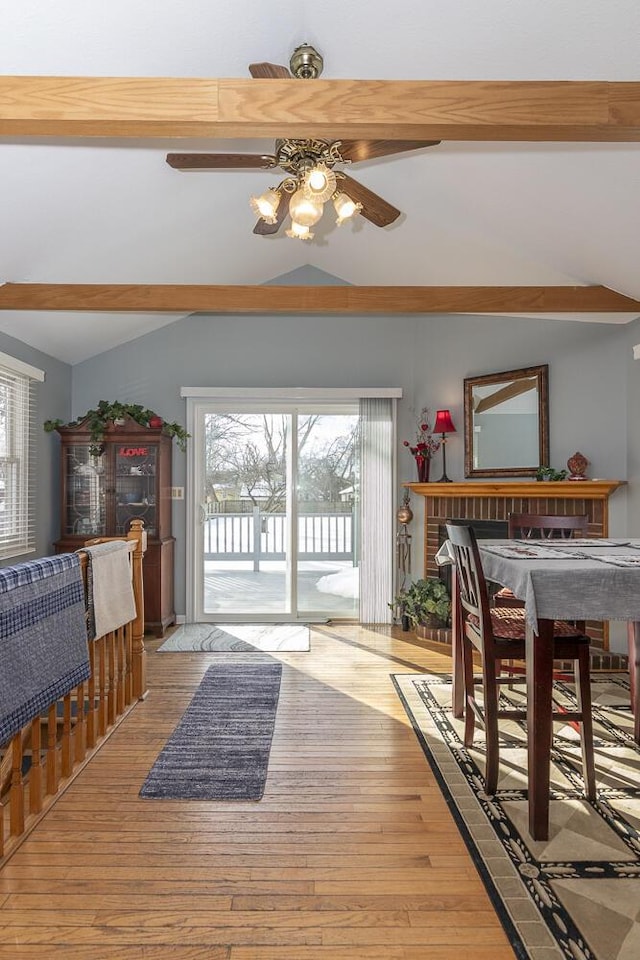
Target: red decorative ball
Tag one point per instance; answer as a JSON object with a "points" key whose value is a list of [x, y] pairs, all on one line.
{"points": [[155, 422]]}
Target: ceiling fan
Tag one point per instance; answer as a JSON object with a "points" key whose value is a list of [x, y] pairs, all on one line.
{"points": [[309, 166]]}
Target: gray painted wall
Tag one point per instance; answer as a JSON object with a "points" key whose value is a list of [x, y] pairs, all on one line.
{"points": [[53, 401], [428, 357], [242, 351], [587, 380]]}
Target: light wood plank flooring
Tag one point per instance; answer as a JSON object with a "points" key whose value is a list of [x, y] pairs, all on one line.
{"points": [[351, 855]]}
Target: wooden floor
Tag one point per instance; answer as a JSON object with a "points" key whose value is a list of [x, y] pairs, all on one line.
{"points": [[352, 853]]}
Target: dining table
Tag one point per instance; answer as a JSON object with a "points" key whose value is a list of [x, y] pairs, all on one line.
{"points": [[578, 579]]}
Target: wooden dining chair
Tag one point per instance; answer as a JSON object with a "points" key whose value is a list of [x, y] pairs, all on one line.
{"points": [[498, 634], [533, 526]]}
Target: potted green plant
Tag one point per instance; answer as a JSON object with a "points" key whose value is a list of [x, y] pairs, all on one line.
{"points": [[425, 603], [107, 412], [548, 473]]}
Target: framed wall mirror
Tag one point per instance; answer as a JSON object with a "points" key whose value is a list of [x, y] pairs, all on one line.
{"points": [[506, 423]]}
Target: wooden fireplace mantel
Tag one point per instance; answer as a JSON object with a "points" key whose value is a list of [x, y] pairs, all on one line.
{"points": [[545, 489], [474, 500]]}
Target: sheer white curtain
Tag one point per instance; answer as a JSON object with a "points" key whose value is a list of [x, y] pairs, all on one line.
{"points": [[377, 510]]}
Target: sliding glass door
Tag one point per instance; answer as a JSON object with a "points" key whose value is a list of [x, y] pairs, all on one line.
{"points": [[275, 511], [327, 485]]}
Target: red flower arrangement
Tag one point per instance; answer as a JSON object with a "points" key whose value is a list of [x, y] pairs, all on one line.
{"points": [[425, 446]]}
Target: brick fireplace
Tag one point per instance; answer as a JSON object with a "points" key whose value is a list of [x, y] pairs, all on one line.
{"points": [[477, 501]]}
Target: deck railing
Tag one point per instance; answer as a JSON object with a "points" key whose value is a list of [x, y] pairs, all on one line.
{"points": [[262, 536], [42, 758]]}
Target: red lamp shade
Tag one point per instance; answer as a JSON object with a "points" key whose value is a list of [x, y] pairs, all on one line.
{"points": [[443, 422]]}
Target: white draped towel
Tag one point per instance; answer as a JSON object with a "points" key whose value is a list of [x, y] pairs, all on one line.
{"points": [[111, 601]]}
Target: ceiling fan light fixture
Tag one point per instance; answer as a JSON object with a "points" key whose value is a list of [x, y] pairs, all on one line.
{"points": [[319, 183], [303, 210], [307, 163], [345, 207], [266, 205], [299, 231]]}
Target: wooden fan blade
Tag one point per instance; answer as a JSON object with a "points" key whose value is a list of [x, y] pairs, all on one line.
{"points": [[220, 161], [374, 208], [357, 150], [269, 71], [264, 229]]}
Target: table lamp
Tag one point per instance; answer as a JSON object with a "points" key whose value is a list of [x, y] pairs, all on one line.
{"points": [[444, 425]]}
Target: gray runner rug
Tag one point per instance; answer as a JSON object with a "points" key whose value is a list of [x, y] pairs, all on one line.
{"points": [[220, 748]]}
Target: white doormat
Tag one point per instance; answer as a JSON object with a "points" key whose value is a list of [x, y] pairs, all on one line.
{"points": [[239, 638]]}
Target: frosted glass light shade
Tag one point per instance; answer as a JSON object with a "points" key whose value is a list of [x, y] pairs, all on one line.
{"points": [[304, 211], [345, 207], [266, 205], [319, 183], [299, 231]]}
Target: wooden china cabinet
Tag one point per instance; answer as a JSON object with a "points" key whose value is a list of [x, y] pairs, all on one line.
{"points": [[101, 495]]}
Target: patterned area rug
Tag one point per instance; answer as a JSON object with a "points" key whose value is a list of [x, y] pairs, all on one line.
{"points": [[239, 638], [577, 895], [220, 748]]}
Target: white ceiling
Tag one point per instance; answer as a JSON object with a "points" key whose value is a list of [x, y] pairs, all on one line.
{"points": [[475, 213]]}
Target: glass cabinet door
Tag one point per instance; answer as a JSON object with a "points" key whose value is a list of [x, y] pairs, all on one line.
{"points": [[85, 492], [135, 476]]}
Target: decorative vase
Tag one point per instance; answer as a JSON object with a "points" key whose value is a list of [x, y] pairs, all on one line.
{"points": [[577, 464], [404, 514], [423, 464]]}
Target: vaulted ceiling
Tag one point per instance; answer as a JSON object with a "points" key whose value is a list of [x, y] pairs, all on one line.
{"points": [[99, 205]]}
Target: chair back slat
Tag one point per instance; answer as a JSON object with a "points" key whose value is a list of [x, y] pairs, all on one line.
{"points": [[474, 596], [532, 526]]}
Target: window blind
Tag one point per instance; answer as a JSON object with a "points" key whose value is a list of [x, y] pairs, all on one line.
{"points": [[17, 456]]}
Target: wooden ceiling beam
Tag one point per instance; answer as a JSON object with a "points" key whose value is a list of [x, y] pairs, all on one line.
{"points": [[145, 107], [505, 393], [235, 299]]}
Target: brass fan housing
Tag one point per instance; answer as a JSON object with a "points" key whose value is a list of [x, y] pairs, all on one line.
{"points": [[298, 156], [306, 63]]}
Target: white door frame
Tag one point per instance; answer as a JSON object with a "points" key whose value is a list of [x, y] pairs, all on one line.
{"points": [[199, 397]]}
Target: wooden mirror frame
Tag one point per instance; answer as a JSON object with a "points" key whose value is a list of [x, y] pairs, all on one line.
{"points": [[541, 374]]}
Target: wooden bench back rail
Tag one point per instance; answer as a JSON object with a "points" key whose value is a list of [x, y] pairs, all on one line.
{"points": [[40, 761]]}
